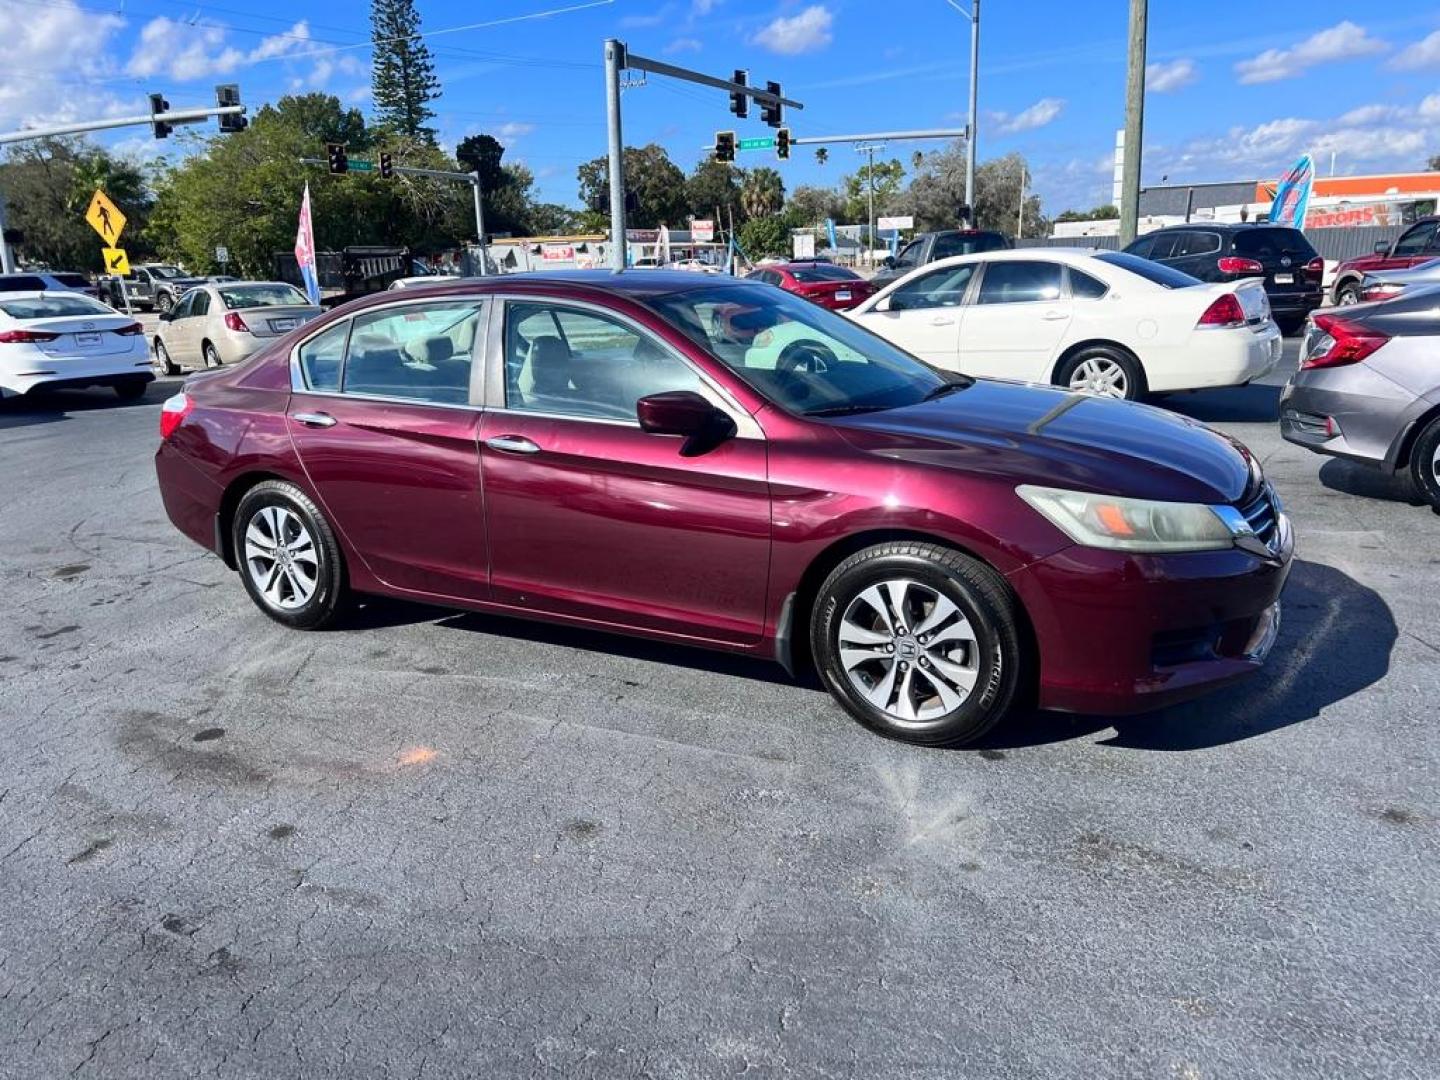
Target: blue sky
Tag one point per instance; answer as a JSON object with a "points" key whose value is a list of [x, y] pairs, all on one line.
{"points": [[1237, 90]]}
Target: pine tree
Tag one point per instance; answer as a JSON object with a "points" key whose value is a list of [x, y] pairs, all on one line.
{"points": [[402, 81]]}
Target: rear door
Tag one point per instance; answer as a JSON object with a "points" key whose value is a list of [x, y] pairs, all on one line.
{"points": [[923, 315], [1018, 319], [384, 420]]}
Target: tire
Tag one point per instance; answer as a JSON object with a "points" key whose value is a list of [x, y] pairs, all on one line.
{"points": [[1425, 463], [163, 361], [1347, 294], [163, 302], [211, 356], [283, 589], [958, 682], [1094, 366], [131, 390]]}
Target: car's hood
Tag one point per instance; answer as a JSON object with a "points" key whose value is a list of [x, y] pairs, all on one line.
{"points": [[1032, 435]]}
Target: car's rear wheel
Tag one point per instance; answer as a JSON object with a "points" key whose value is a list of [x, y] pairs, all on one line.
{"points": [[1103, 371], [211, 355], [919, 642], [163, 361], [1425, 463], [288, 557], [163, 303], [1348, 294]]}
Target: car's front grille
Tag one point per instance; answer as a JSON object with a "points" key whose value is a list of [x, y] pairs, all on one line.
{"points": [[1263, 514]]}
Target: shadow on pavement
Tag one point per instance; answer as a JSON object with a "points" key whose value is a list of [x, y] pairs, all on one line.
{"points": [[1254, 404], [1335, 640], [48, 408], [1352, 478]]}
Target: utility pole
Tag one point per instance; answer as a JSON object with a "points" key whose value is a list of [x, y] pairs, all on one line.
{"points": [[1020, 217], [974, 100], [1134, 123], [869, 151], [7, 264], [614, 61]]}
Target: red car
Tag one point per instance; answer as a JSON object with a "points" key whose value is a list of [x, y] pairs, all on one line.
{"points": [[826, 284], [718, 463], [1419, 243]]}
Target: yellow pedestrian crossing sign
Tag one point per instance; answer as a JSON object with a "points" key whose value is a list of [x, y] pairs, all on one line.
{"points": [[116, 261], [105, 217]]}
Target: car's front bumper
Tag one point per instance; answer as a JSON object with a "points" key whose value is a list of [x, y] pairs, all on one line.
{"points": [[1119, 633], [1350, 412]]}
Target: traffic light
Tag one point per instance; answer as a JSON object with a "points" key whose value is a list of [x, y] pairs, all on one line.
{"points": [[782, 144], [740, 103], [387, 164], [229, 94], [158, 105], [339, 160], [724, 146], [772, 112]]}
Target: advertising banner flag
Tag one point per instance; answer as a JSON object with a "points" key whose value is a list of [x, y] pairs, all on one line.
{"points": [[305, 250], [1292, 195]]}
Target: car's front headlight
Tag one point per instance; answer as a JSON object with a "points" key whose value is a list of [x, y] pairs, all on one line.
{"points": [[1109, 521]]}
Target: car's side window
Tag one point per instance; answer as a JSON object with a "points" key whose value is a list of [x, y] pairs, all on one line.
{"points": [[1165, 244], [1416, 240], [1020, 282], [320, 357], [1142, 248], [910, 256], [199, 302], [947, 245], [939, 288], [1197, 243], [421, 352], [571, 362], [182, 309], [1085, 287]]}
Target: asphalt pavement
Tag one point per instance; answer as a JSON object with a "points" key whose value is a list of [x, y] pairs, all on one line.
{"points": [[432, 844]]}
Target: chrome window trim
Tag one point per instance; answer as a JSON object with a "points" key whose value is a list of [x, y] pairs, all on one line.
{"points": [[746, 425]]}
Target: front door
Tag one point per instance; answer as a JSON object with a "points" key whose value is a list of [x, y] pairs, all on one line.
{"points": [[180, 338], [589, 516], [1014, 327], [923, 316], [387, 433]]}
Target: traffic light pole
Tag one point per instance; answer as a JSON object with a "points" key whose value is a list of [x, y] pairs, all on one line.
{"points": [[173, 116], [619, 58]]}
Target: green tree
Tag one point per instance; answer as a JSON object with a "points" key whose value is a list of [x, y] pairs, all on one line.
{"points": [[714, 187], [402, 80], [762, 193], [889, 176], [764, 236], [482, 154], [937, 192], [1434, 164], [812, 205], [655, 182], [1099, 213], [48, 184]]}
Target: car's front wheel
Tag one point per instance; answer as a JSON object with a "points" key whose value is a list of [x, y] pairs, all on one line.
{"points": [[919, 642], [288, 557], [163, 361], [163, 302], [1348, 294], [1425, 463], [1104, 371]]}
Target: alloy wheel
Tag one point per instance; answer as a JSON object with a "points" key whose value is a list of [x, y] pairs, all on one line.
{"points": [[909, 650], [281, 557], [1100, 375]]}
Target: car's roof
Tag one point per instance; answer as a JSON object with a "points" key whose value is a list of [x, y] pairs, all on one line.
{"points": [[1055, 254], [1219, 226], [618, 282]]}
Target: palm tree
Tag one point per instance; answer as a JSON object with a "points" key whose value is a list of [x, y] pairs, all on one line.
{"points": [[762, 193]]}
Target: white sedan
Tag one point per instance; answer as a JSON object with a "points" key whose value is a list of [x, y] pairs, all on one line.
{"points": [[65, 340], [1098, 322]]}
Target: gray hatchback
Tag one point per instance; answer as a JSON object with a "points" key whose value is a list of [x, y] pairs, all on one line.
{"points": [[1368, 388]]}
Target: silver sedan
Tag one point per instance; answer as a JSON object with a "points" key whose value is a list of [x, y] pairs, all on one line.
{"points": [[1388, 284], [217, 324], [1368, 388]]}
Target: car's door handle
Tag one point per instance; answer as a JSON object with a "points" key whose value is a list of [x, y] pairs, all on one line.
{"points": [[512, 444], [1055, 316], [313, 419], [942, 320]]}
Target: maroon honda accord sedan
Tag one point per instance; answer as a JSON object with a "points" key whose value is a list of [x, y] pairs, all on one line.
{"points": [[726, 465]]}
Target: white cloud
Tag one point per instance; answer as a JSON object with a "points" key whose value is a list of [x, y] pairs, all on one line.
{"points": [[683, 44], [1369, 114], [1043, 112], [188, 51], [1343, 41], [807, 32], [1161, 78], [1429, 109], [1422, 54], [704, 7], [511, 131], [56, 51]]}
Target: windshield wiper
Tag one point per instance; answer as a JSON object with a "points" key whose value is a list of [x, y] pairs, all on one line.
{"points": [[948, 387], [846, 410]]}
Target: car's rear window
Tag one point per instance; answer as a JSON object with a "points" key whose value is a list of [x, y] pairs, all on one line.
{"points": [[951, 244], [54, 306], [1273, 243], [252, 296], [1166, 277], [21, 283], [821, 272], [75, 281]]}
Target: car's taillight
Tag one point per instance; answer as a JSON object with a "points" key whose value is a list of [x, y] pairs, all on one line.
{"points": [[1315, 268], [1341, 342], [1225, 311], [173, 413], [1233, 264], [1384, 291], [234, 322], [132, 330], [25, 337]]}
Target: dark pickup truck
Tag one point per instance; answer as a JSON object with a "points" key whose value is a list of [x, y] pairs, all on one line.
{"points": [[927, 247], [345, 275]]}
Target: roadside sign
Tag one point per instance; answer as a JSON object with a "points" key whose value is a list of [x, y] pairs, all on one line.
{"points": [[766, 142], [804, 244], [222, 253], [557, 252], [702, 231], [116, 261], [105, 217], [360, 165], [892, 224]]}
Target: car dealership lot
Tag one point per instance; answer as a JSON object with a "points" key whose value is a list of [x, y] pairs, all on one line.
{"points": [[439, 844]]}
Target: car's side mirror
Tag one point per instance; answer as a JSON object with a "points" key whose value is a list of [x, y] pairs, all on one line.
{"points": [[678, 412], [893, 302], [166, 316], [1382, 247], [888, 262]]}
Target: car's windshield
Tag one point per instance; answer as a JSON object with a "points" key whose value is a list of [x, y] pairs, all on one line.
{"points": [[252, 296], [54, 306], [1158, 273], [165, 273], [821, 272], [803, 357]]}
